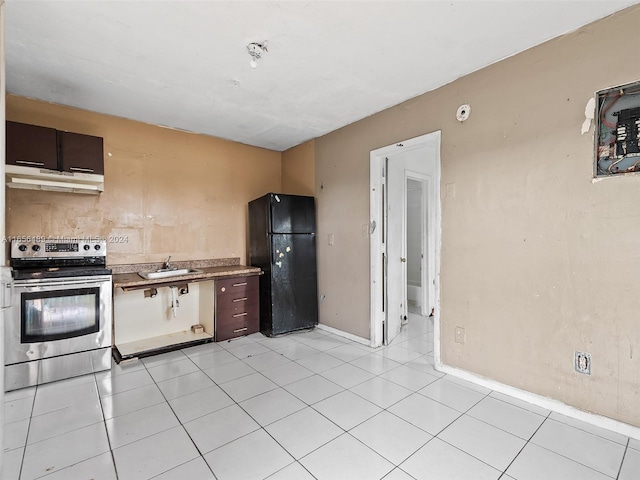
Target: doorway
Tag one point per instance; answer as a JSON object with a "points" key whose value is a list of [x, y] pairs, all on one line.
{"points": [[396, 170]]}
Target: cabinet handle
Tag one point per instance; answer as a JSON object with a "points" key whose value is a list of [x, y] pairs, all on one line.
{"points": [[78, 169], [239, 284], [240, 315], [238, 330], [27, 162], [243, 299]]}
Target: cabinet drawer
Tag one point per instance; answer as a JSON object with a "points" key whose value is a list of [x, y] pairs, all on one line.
{"points": [[237, 301], [237, 286], [231, 316], [237, 328]]}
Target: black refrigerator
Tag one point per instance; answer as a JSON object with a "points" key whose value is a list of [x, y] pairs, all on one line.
{"points": [[282, 241]]}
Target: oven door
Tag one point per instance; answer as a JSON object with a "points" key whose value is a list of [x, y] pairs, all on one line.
{"points": [[59, 316]]}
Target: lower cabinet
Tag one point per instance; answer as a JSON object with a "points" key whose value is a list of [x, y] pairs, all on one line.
{"points": [[237, 307]]}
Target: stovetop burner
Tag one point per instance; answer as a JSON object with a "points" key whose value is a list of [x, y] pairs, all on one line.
{"points": [[57, 258]]}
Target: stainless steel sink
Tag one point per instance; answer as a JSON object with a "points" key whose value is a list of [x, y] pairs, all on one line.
{"points": [[166, 273]]}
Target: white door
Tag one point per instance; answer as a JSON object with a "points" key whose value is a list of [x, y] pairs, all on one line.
{"points": [[395, 248]]}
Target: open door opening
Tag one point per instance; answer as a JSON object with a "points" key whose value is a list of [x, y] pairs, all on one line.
{"points": [[402, 175]]}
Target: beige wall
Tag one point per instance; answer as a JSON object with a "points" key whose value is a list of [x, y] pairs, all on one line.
{"points": [[167, 192], [537, 260], [298, 169]]}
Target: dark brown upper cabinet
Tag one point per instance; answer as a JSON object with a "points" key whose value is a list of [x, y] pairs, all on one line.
{"points": [[42, 147], [80, 153], [31, 146]]}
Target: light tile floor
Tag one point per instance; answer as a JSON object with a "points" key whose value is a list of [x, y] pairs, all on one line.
{"points": [[303, 406]]}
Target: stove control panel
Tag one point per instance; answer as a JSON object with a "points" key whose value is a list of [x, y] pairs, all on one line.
{"points": [[58, 248]]}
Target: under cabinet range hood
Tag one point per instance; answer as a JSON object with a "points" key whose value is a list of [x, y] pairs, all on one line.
{"points": [[32, 178]]}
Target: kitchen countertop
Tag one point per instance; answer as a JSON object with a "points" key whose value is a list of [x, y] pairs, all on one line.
{"points": [[127, 278]]}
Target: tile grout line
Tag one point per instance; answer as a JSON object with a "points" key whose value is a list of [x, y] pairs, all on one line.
{"points": [[525, 444], [26, 439], [571, 459], [104, 424], [624, 455], [177, 418]]}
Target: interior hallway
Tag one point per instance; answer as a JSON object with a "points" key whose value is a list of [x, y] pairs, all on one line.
{"points": [[303, 406]]}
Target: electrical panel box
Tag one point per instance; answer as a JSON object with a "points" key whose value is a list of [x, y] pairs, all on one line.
{"points": [[617, 134]]}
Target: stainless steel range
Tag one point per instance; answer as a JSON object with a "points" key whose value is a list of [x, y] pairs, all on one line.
{"points": [[60, 325]]}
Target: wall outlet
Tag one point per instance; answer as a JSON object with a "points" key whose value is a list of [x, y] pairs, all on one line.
{"points": [[331, 239], [461, 335], [582, 362]]}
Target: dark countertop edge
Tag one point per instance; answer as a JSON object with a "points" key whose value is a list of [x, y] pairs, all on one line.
{"points": [[132, 281], [118, 269]]}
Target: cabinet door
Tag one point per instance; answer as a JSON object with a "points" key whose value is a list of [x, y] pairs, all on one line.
{"points": [[81, 153], [31, 146]]}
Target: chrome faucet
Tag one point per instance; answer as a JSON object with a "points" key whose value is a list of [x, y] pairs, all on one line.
{"points": [[167, 265]]}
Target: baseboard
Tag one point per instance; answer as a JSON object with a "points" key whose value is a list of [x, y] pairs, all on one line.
{"points": [[544, 402], [340, 333]]}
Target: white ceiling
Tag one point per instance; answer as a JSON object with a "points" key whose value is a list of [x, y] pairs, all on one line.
{"points": [[185, 64]]}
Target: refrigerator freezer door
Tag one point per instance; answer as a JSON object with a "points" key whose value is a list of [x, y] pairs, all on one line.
{"points": [[292, 214], [294, 289]]}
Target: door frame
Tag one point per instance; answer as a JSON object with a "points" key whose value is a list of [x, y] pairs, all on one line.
{"points": [[377, 214]]}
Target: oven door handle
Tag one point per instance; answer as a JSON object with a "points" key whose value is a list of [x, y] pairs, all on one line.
{"points": [[7, 298], [63, 284]]}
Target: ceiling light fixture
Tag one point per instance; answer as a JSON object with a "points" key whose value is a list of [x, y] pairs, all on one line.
{"points": [[256, 50]]}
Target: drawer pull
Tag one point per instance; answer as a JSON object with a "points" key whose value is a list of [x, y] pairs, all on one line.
{"points": [[27, 162], [243, 299], [239, 284], [78, 169], [238, 330], [240, 315]]}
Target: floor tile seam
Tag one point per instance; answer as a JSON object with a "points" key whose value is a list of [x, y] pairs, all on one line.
{"points": [[403, 471], [445, 376], [571, 459], [526, 439], [624, 455], [449, 406], [380, 406], [590, 433], [184, 463], [243, 360], [43, 477], [75, 402], [431, 437], [287, 466], [502, 472], [518, 406], [175, 415], [219, 384], [612, 442], [417, 426], [313, 403], [254, 419], [106, 433], [102, 420], [132, 411], [401, 385], [346, 388], [335, 438], [385, 458], [26, 438]]}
